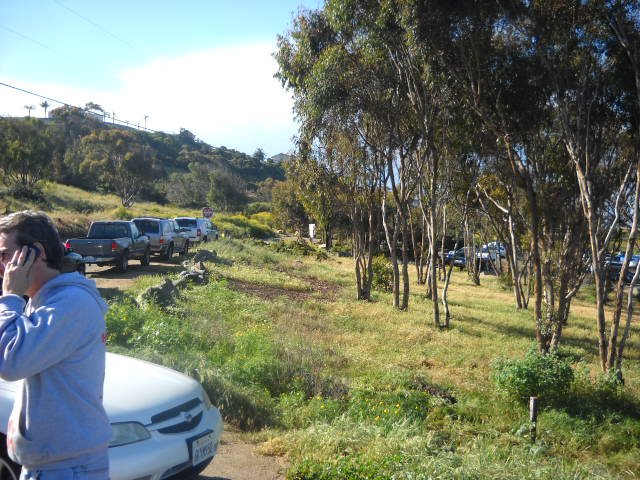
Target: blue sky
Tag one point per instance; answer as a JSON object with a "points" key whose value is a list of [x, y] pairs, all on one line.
{"points": [[196, 64]]}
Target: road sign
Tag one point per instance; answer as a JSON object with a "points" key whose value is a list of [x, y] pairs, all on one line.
{"points": [[207, 212]]}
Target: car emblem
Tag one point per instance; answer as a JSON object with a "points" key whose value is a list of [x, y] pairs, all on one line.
{"points": [[187, 417]]}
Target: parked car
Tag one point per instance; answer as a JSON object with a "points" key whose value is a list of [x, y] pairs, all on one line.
{"points": [[73, 262], [494, 249], [614, 265], [112, 242], [197, 228], [212, 230], [165, 237], [164, 425], [458, 257]]}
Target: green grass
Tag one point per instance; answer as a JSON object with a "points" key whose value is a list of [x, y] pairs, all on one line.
{"points": [[359, 390]]}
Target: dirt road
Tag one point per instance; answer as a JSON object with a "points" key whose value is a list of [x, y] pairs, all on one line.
{"points": [[236, 459]]}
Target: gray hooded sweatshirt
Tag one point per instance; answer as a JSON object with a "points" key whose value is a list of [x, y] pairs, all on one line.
{"points": [[56, 344]]}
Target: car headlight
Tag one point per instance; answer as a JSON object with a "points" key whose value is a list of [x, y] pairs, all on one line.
{"points": [[128, 432], [205, 399]]}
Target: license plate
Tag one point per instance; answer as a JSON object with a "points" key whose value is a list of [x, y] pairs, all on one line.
{"points": [[203, 448]]}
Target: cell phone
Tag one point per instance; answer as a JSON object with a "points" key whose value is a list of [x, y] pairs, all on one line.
{"points": [[33, 250]]}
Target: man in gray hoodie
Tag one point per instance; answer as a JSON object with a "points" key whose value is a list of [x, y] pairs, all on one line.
{"points": [[55, 343]]}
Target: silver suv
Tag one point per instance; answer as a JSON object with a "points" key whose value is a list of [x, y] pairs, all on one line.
{"points": [[165, 236]]}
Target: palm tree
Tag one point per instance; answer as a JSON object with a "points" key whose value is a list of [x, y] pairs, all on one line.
{"points": [[29, 108], [45, 105]]}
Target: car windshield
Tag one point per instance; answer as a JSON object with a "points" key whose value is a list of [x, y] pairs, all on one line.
{"points": [[187, 222], [147, 226]]}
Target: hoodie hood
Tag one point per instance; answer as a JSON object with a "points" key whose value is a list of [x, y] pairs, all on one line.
{"points": [[73, 279]]}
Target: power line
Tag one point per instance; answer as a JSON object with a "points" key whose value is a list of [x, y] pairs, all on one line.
{"points": [[99, 27], [49, 48], [118, 120]]}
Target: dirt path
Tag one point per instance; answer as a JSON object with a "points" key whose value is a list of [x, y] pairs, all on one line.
{"points": [[236, 459]]}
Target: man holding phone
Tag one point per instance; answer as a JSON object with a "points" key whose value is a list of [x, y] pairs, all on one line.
{"points": [[55, 342]]}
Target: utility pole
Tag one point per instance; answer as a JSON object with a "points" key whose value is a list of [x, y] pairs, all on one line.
{"points": [[145, 121]]}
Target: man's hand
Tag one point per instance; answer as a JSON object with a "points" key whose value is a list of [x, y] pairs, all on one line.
{"points": [[16, 276]]}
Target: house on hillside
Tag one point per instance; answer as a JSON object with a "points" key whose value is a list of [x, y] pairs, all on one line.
{"points": [[279, 158]]}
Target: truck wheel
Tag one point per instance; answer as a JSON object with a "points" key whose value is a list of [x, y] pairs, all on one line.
{"points": [[169, 253], [146, 258], [123, 262]]}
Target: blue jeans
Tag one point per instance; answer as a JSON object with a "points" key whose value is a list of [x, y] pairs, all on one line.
{"points": [[96, 470]]}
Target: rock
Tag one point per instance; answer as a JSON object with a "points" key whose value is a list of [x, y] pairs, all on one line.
{"points": [[163, 294], [204, 256]]}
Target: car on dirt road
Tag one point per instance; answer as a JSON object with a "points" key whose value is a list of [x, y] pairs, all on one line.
{"points": [[164, 425], [112, 242], [165, 236]]}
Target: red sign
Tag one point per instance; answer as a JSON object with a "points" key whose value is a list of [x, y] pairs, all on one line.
{"points": [[207, 212]]}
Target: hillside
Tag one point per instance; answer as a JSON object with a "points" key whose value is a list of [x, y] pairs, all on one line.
{"points": [[77, 148]]}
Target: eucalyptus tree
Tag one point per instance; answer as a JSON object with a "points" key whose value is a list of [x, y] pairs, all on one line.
{"points": [[340, 100], [494, 70], [120, 162], [314, 172], [25, 154], [578, 47]]}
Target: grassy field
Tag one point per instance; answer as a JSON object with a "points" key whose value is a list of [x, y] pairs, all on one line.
{"points": [[359, 390]]}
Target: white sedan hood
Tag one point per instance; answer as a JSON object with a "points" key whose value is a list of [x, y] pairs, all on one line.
{"points": [[135, 390]]}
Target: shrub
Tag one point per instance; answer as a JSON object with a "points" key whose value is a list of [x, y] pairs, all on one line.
{"points": [[239, 226], [257, 207], [546, 376], [122, 213], [382, 273], [297, 247]]}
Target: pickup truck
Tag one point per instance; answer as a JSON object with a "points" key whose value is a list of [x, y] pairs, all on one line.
{"points": [[112, 242]]}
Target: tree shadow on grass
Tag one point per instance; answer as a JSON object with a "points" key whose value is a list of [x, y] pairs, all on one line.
{"points": [[590, 402], [112, 293]]}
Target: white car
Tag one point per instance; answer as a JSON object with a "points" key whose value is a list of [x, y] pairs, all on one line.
{"points": [[196, 228], [163, 422]]}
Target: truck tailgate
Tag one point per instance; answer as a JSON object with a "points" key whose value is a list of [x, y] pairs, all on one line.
{"points": [[91, 247]]}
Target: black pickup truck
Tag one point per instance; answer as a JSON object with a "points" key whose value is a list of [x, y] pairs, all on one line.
{"points": [[112, 242]]}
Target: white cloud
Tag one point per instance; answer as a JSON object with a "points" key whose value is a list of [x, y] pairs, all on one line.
{"points": [[225, 96]]}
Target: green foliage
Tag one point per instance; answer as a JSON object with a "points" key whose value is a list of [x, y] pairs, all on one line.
{"points": [[25, 155], [382, 273], [287, 208], [129, 325], [255, 361], [227, 191], [349, 467], [545, 376], [119, 160], [240, 226], [342, 249], [299, 248], [123, 213], [257, 207]]}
